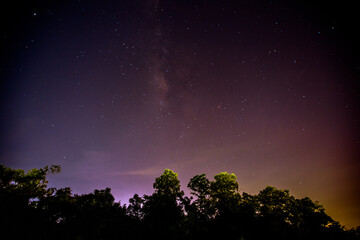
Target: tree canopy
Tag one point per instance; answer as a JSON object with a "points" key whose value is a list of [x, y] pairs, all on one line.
{"points": [[215, 210], [168, 184]]}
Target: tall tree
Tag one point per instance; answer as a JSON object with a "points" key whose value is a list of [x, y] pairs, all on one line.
{"points": [[163, 210], [168, 184], [224, 191], [203, 203]]}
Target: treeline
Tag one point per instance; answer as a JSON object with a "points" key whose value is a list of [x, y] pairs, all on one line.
{"points": [[215, 210]]}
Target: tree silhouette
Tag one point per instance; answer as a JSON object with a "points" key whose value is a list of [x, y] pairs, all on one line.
{"points": [[135, 207], [17, 190], [203, 206], [163, 210], [216, 210], [224, 191]]}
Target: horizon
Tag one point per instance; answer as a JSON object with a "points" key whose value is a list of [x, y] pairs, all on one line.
{"points": [[115, 92]]}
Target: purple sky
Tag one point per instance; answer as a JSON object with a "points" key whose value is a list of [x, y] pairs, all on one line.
{"points": [[117, 91]]}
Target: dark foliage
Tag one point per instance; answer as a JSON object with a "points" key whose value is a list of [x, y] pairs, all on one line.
{"points": [[216, 210]]}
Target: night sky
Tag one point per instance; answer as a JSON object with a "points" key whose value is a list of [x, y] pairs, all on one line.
{"points": [[117, 91]]}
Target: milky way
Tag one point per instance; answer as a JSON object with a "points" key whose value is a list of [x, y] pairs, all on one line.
{"points": [[116, 92]]}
